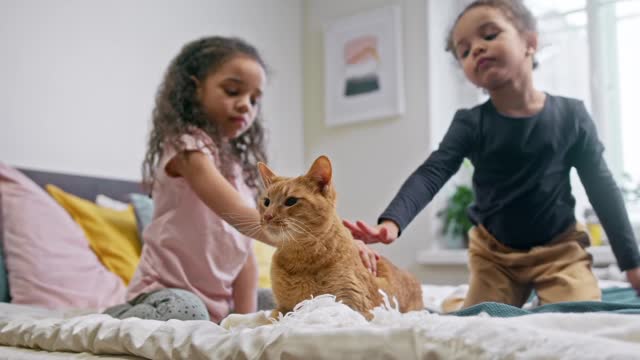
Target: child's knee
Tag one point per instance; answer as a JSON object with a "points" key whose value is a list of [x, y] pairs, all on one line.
{"points": [[182, 305]]}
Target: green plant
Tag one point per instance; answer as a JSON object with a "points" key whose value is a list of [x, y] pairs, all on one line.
{"points": [[455, 220]]}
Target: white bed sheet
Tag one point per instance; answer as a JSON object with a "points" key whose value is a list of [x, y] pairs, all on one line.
{"points": [[15, 353], [321, 329], [34, 313]]}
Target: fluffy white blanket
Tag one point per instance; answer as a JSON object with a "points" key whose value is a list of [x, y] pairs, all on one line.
{"points": [[322, 328]]}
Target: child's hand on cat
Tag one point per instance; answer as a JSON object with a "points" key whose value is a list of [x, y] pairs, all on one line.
{"points": [[385, 233], [369, 256]]}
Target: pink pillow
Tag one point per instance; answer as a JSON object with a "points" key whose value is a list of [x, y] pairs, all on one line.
{"points": [[48, 258]]}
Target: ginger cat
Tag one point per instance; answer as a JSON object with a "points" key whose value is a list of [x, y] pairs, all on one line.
{"points": [[315, 253]]}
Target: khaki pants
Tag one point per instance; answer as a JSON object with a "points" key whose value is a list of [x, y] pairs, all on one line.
{"points": [[559, 271]]}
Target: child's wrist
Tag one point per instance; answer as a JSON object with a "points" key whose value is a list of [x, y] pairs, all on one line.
{"points": [[391, 226]]}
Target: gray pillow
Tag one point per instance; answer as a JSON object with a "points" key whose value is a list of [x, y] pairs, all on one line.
{"points": [[143, 208]]}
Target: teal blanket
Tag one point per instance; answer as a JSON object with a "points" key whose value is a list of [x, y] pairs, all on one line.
{"points": [[615, 300]]}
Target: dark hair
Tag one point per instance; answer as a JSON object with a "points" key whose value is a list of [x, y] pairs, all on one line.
{"points": [[177, 110], [515, 10]]}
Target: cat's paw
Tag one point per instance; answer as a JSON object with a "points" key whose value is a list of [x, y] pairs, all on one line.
{"points": [[250, 321]]}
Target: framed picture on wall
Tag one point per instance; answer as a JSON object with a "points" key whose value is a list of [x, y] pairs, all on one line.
{"points": [[363, 67]]}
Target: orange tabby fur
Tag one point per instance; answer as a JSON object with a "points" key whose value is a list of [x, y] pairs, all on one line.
{"points": [[315, 253]]}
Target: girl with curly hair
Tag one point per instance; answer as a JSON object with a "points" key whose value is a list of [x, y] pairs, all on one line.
{"points": [[206, 139]]}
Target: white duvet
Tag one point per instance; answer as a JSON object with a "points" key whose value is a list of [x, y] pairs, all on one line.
{"points": [[322, 328]]}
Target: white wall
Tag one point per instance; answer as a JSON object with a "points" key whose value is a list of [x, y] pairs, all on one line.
{"points": [[372, 159], [78, 77]]}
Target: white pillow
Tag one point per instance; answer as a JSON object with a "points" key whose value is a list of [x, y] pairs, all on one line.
{"points": [[113, 204]]}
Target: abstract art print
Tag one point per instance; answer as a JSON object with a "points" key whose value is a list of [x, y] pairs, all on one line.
{"points": [[363, 67]]}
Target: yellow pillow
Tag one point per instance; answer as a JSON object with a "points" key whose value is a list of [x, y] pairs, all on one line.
{"points": [[263, 254], [112, 234]]}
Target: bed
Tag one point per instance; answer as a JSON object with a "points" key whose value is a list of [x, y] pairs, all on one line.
{"points": [[323, 328]]}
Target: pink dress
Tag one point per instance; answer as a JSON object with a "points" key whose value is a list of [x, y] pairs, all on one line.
{"points": [[187, 245]]}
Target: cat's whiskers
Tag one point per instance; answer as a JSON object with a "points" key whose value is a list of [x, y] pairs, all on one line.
{"points": [[293, 237], [314, 234], [247, 225], [283, 234], [290, 236], [251, 231], [282, 237], [301, 230], [299, 223]]}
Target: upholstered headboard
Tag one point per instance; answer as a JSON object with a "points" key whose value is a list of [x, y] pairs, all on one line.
{"points": [[86, 186]]}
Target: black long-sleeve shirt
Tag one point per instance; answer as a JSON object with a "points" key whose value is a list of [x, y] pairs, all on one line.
{"points": [[521, 176]]}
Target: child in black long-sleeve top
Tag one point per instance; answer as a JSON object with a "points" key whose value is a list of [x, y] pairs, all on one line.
{"points": [[523, 143]]}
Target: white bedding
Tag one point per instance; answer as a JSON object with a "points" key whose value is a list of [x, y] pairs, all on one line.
{"points": [[15, 353], [322, 328]]}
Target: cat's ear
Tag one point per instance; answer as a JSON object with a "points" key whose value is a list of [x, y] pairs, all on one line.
{"points": [[266, 174], [321, 171]]}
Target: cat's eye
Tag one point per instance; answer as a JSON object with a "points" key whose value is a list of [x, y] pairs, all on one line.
{"points": [[290, 201], [267, 201]]}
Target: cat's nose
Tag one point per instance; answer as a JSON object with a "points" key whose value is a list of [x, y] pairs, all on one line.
{"points": [[268, 217]]}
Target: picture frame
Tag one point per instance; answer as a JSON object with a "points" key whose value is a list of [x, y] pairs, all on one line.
{"points": [[364, 76]]}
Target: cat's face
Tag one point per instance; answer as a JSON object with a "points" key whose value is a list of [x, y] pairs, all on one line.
{"points": [[291, 209]]}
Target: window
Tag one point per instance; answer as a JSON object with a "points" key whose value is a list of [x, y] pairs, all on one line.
{"points": [[588, 50], [628, 29], [563, 53]]}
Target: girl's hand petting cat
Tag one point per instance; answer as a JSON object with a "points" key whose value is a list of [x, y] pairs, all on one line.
{"points": [[385, 233], [369, 256]]}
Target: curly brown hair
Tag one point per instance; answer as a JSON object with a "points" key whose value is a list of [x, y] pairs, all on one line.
{"points": [[177, 110], [515, 10]]}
